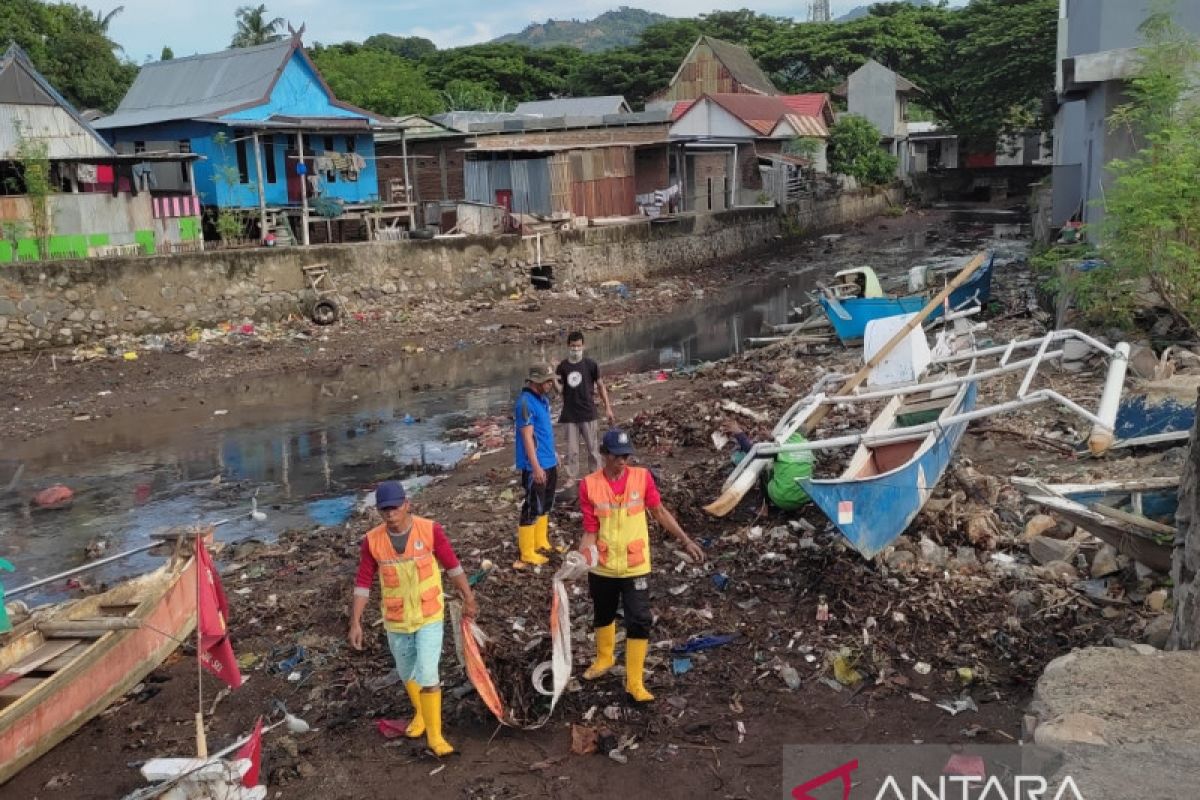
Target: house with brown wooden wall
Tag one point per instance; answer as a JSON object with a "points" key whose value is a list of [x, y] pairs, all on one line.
{"points": [[713, 66]]}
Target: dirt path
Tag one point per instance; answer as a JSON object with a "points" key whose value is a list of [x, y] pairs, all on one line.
{"points": [[917, 630]]}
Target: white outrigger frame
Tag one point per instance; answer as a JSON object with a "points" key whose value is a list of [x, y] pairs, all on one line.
{"points": [[1103, 419]]}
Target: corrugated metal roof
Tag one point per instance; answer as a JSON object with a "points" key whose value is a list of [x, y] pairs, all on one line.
{"points": [[575, 107], [805, 125], [681, 108], [809, 105], [33, 106], [201, 86]]}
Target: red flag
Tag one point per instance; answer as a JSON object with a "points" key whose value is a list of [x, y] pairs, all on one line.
{"points": [[253, 751], [216, 653]]}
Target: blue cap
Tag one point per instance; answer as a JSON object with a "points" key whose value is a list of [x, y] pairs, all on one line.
{"points": [[617, 442], [389, 494]]}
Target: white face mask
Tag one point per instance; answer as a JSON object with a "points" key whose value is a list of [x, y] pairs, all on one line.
{"points": [[575, 354]]}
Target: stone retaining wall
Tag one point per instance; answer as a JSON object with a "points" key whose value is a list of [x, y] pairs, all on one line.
{"points": [[61, 303]]}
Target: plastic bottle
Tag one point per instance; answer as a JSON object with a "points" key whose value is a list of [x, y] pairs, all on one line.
{"points": [[789, 675]]}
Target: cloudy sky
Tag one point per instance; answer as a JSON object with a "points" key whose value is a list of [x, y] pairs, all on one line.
{"points": [[200, 27]]}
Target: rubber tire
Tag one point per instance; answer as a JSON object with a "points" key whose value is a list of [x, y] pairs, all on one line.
{"points": [[324, 312]]}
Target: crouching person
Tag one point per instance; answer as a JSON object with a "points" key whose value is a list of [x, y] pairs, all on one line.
{"points": [[406, 551]]}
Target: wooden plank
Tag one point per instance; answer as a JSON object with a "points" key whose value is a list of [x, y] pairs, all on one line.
{"points": [[45, 653], [64, 660], [18, 689], [1131, 519]]}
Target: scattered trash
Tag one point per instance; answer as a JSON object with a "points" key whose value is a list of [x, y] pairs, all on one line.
{"points": [[956, 707], [220, 412], [822, 609], [391, 728], [681, 666], [332, 511], [922, 668], [56, 496], [583, 739], [789, 676], [720, 580], [704, 643]]}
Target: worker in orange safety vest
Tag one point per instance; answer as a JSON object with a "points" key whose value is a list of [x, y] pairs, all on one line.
{"points": [[616, 543], [403, 551]]}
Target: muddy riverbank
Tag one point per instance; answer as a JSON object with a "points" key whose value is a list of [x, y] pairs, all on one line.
{"points": [[967, 616]]}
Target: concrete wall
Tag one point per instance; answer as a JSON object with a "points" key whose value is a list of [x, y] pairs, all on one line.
{"points": [[1097, 25], [871, 93], [68, 302]]}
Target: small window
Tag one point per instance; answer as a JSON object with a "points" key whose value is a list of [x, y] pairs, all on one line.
{"points": [[328, 144], [242, 166], [139, 147], [185, 146], [269, 157], [351, 144]]}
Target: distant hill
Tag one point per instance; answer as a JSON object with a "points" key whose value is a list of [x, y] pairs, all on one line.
{"points": [[611, 29], [862, 11]]}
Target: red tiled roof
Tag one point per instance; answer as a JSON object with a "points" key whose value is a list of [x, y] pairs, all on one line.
{"points": [[808, 105], [760, 112], [681, 108]]}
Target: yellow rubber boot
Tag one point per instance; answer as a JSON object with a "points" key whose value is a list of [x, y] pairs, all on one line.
{"points": [[431, 710], [526, 535], [542, 538], [416, 728], [606, 639], [635, 664]]}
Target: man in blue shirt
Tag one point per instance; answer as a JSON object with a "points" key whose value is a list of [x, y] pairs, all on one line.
{"points": [[538, 464]]}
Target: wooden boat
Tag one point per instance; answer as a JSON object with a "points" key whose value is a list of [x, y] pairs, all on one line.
{"points": [[887, 482], [67, 663], [1135, 517], [849, 315]]}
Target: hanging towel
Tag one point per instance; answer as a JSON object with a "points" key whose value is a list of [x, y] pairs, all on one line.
{"points": [[86, 173]]}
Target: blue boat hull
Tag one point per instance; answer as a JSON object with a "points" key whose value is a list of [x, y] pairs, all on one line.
{"points": [[872, 512], [849, 317]]}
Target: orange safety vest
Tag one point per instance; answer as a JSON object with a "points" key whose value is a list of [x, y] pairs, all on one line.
{"points": [[411, 583], [624, 538]]}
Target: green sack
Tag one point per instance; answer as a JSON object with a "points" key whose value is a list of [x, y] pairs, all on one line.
{"points": [[5, 625], [784, 489]]}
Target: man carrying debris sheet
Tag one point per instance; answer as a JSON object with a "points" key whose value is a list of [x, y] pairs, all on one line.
{"points": [[403, 550], [579, 381], [781, 481], [538, 464], [616, 544]]}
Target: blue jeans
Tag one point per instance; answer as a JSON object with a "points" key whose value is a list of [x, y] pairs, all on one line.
{"points": [[417, 654]]}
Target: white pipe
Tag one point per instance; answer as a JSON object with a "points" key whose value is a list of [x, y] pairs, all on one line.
{"points": [[1037, 360], [1055, 336], [1102, 436], [944, 383]]}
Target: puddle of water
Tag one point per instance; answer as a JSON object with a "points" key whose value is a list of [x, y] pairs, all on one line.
{"points": [[296, 438]]}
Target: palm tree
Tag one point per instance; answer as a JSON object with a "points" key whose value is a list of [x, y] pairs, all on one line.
{"points": [[253, 27], [103, 20]]}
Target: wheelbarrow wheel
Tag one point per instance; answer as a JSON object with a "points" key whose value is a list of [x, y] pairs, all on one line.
{"points": [[324, 312]]}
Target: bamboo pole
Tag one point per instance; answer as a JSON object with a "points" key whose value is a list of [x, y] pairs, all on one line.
{"points": [[857, 378]]}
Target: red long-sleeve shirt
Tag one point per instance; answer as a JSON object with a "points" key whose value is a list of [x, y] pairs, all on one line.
{"points": [[368, 566], [591, 523]]}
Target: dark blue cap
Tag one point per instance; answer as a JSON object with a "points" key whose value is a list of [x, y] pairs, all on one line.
{"points": [[617, 442], [389, 494]]}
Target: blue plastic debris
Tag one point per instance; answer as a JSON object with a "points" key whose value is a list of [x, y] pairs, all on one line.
{"points": [[332, 511], [409, 419], [681, 665], [720, 580], [291, 662], [704, 643]]}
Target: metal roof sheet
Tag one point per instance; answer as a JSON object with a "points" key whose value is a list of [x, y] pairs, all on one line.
{"points": [[201, 86], [574, 106], [30, 104]]}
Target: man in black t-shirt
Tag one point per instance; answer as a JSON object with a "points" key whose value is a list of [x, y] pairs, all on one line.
{"points": [[579, 380]]}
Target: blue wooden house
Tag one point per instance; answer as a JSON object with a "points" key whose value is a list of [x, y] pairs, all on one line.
{"points": [[272, 135]]}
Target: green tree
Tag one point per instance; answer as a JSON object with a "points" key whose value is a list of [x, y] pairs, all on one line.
{"points": [[508, 70], [376, 80], [1151, 231], [414, 48], [68, 45], [854, 150], [167, 54], [462, 95], [253, 27]]}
